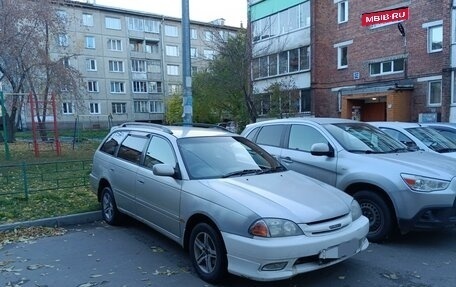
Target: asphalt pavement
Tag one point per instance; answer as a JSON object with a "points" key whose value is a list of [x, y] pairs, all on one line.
{"points": [[92, 253]]}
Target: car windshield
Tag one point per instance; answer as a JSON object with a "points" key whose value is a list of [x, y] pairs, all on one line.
{"points": [[364, 138], [433, 139], [221, 157]]}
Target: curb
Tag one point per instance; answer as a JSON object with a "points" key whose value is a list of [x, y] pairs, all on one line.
{"points": [[60, 221]]}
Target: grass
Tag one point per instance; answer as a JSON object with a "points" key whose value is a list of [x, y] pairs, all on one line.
{"points": [[53, 201]]}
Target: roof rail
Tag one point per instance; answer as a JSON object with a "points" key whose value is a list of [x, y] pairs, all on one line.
{"points": [[151, 125], [203, 125]]}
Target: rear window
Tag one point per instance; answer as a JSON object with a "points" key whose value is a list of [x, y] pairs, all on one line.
{"points": [[270, 135], [113, 142]]}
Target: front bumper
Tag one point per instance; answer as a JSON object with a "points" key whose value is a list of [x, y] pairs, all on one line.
{"points": [[251, 257], [431, 217]]}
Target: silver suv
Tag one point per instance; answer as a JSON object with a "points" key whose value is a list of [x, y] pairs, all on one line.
{"points": [[394, 186], [232, 205]]}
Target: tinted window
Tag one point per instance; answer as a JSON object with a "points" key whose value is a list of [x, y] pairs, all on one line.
{"points": [[159, 151], [132, 147], [111, 144], [270, 135], [303, 137]]}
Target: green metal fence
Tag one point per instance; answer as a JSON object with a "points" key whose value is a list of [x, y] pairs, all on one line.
{"points": [[23, 179]]}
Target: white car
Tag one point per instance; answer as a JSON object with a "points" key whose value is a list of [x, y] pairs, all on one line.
{"points": [[416, 136], [445, 128], [232, 205]]}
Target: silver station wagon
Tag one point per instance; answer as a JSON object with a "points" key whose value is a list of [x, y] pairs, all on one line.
{"points": [[231, 204]]}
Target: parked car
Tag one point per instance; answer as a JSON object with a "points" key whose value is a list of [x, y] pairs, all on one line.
{"points": [[416, 136], [445, 128], [232, 205], [395, 187]]}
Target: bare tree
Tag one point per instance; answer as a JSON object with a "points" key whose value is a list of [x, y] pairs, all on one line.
{"points": [[30, 31]]}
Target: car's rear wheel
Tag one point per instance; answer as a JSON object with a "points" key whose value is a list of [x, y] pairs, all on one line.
{"points": [[207, 253], [108, 207], [379, 214]]}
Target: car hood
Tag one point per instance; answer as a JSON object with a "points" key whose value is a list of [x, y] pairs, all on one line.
{"points": [[284, 195], [421, 163]]}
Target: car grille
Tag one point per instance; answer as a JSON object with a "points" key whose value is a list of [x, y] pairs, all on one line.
{"points": [[320, 227]]}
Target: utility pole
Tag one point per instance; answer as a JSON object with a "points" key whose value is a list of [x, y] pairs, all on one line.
{"points": [[186, 66]]}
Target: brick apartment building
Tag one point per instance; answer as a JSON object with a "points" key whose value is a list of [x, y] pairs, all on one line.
{"points": [[377, 72]]}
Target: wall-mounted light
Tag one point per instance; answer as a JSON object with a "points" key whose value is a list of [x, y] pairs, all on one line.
{"points": [[401, 29]]}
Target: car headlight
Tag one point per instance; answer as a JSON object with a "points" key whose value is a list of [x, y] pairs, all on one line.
{"points": [[355, 210], [274, 227], [424, 184]]}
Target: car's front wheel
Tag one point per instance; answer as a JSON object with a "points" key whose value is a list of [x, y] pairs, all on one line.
{"points": [[207, 253], [108, 207], [379, 214]]}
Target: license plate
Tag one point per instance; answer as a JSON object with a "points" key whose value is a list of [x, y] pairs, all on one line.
{"points": [[344, 249]]}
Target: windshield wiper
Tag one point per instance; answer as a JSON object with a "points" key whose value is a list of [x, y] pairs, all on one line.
{"points": [[272, 169], [402, 149], [242, 172]]}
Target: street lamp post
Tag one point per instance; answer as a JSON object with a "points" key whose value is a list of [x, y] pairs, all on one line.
{"points": [[187, 100]]}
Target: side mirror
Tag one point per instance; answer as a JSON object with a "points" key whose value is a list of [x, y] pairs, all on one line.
{"points": [[162, 169], [321, 149]]}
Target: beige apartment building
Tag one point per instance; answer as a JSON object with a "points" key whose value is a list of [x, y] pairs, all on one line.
{"points": [[130, 61]]}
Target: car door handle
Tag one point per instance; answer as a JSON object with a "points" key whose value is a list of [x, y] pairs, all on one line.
{"points": [[286, 159], [141, 181]]}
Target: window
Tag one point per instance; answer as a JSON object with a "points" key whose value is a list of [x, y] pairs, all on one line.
{"points": [[151, 26], [131, 148], [151, 47], [91, 64], [115, 66], [139, 87], [113, 23], [194, 70], [342, 11], [293, 18], [270, 135], [172, 70], [294, 60], [67, 108], [303, 137], [138, 66], [87, 19], [208, 54], [342, 60], [283, 62], [90, 42], [174, 88], [435, 39], [119, 108], [92, 86], [155, 87], [94, 108], [66, 62], [63, 40], [193, 52], [172, 51], [62, 16], [272, 63], [304, 58], [115, 45], [208, 36], [171, 31], [156, 106], [135, 24], [117, 87], [435, 93], [136, 45], [154, 66], [387, 67], [193, 34], [159, 151], [140, 106]]}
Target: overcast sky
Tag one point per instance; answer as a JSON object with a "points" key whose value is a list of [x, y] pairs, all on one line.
{"points": [[233, 11]]}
